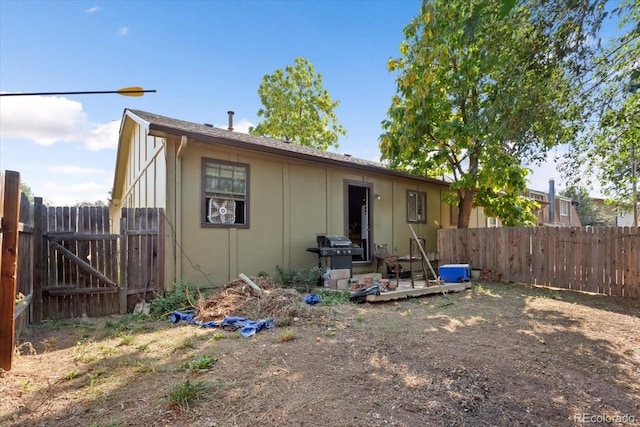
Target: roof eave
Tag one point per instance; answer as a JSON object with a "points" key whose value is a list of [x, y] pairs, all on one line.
{"points": [[163, 131]]}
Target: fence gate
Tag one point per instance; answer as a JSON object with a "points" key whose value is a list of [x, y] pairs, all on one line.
{"points": [[142, 259], [87, 270], [80, 263]]}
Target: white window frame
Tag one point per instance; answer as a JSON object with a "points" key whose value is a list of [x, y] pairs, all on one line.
{"points": [[564, 207], [416, 206]]}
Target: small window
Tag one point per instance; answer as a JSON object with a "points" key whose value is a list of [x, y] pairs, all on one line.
{"points": [[416, 206], [493, 222], [564, 208], [225, 191], [538, 197]]}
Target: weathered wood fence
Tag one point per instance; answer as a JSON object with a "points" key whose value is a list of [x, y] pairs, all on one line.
{"points": [[64, 262], [603, 260], [88, 271], [16, 256]]}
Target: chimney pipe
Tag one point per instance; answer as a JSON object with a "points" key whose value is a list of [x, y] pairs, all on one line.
{"points": [[552, 201], [230, 113]]}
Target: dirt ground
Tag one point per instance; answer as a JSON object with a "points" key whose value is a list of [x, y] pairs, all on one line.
{"points": [[496, 354]]}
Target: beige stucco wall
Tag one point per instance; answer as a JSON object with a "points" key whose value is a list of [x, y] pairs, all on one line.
{"points": [[289, 202]]}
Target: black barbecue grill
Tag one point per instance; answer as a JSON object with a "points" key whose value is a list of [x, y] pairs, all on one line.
{"points": [[337, 249]]}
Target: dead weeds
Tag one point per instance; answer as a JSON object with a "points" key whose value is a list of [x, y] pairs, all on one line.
{"points": [[237, 298], [495, 355]]}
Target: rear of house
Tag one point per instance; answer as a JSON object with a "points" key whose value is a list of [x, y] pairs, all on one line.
{"points": [[238, 203]]}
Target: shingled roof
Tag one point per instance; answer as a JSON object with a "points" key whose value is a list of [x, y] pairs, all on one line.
{"points": [[163, 126]]}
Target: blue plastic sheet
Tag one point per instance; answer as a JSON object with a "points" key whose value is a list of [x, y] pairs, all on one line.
{"points": [[312, 299], [247, 327]]}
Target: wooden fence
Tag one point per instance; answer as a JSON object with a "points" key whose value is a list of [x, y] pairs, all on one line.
{"points": [[64, 262], [88, 271], [16, 243], [603, 260]]}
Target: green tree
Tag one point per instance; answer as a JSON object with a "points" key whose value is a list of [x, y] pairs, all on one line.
{"points": [[588, 211], [297, 108], [484, 87], [610, 149], [27, 191], [96, 203]]}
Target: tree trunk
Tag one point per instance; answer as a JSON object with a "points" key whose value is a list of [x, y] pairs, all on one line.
{"points": [[465, 205]]}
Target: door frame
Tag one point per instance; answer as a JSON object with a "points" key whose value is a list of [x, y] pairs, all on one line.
{"points": [[368, 186]]}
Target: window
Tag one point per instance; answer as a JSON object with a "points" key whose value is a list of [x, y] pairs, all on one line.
{"points": [[538, 197], [225, 193], [416, 206], [493, 222], [564, 207]]}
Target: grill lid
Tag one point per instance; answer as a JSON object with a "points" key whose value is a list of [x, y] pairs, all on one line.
{"points": [[333, 242]]}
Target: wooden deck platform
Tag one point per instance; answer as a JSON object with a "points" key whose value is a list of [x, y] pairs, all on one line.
{"points": [[405, 291]]}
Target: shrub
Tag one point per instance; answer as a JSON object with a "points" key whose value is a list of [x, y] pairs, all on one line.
{"points": [[333, 297], [301, 280], [184, 296]]}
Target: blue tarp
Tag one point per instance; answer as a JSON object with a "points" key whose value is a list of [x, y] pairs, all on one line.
{"points": [[249, 327], [312, 299]]}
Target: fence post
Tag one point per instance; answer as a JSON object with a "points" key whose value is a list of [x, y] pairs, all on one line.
{"points": [[38, 263], [123, 265], [8, 266]]}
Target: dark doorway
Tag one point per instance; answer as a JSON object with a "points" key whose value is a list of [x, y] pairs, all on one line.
{"points": [[358, 217]]}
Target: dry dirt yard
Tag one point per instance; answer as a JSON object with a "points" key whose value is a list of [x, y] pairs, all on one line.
{"points": [[496, 354]]}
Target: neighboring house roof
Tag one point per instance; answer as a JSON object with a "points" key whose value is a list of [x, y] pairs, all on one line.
{"points": [[162, 126]]}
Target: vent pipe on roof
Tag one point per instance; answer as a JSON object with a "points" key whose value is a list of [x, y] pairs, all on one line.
{"points": [[552, 201], [209, 125], [230, 113]]}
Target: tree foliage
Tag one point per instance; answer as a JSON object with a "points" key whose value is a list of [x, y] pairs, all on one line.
{"points": [[27, 191], [481, 91], [297, 108], [588, 211], [611, 145]]}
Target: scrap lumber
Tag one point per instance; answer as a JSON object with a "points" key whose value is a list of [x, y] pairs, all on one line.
{"points": [[417, 292], [424, 255], [251, 283]]}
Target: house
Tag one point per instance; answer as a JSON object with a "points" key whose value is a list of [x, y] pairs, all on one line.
{"points": [[624, 217], [555, 210], [561, 213], [238, 203]]}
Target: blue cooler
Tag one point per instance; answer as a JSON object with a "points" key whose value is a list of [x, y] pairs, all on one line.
{"points": [[454, 273]]}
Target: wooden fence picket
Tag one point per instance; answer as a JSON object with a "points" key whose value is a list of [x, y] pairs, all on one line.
{"points": [[603, 260]]}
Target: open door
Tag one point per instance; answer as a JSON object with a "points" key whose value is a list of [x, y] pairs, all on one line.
{"points": [[358, 217]]}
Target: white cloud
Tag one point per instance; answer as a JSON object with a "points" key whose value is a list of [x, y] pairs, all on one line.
{"points": [[241, 126], [93, 9], [67, 195], [47, 120], [42, 119], [103, 136], [77, 170], [123, 31]]}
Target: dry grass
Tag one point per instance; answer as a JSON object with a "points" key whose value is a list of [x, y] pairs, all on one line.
{"points": [[493, 355]]}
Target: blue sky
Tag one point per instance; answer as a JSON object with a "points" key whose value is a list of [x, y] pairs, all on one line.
{"points": [[204, 58]]}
